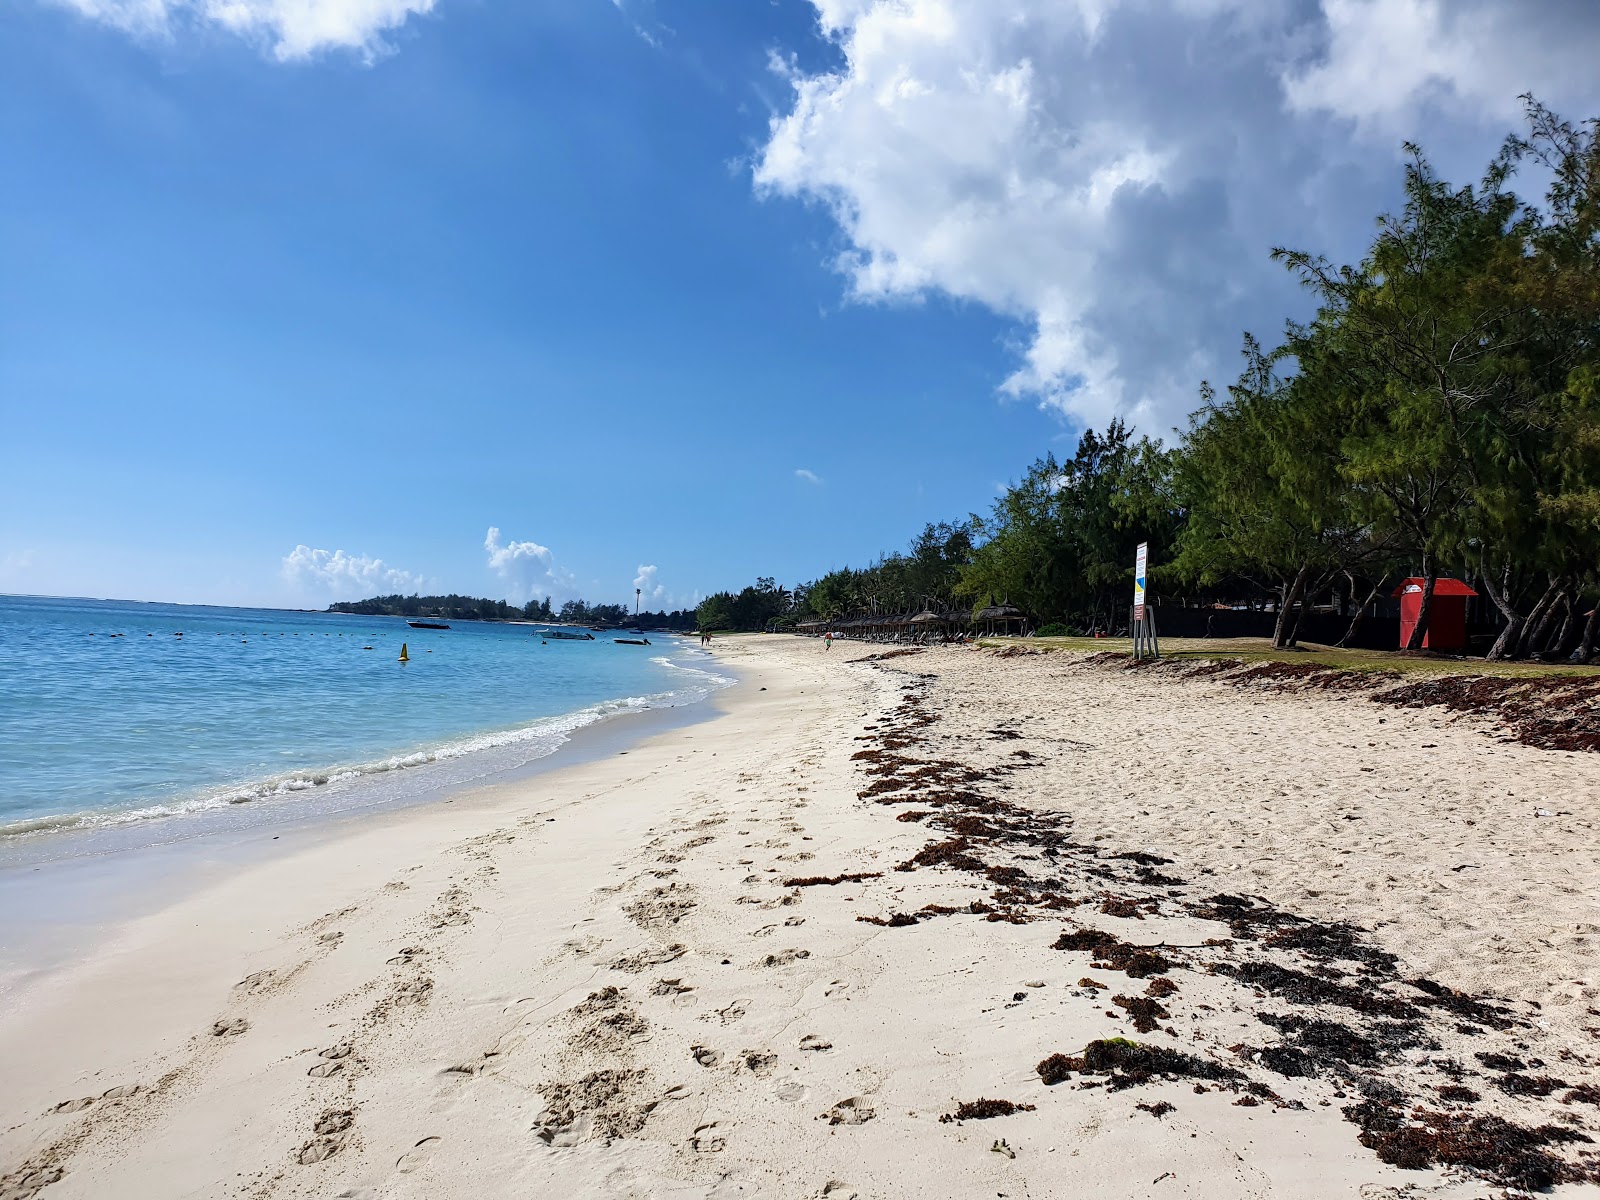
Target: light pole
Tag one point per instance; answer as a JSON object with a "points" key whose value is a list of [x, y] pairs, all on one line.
{"points": [[637, 592]]}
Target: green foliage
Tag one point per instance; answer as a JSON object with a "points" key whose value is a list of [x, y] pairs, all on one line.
{"points": [[1060, 544], [468, 608], [1439, 414]]}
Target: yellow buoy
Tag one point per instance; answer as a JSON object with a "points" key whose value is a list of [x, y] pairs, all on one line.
{"points": [[404, 657]]}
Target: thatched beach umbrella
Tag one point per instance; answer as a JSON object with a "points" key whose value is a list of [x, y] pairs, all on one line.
{"points": [[1003, 615]]}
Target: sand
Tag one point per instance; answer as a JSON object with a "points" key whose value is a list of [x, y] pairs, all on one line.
{"points": [[600, 982]]}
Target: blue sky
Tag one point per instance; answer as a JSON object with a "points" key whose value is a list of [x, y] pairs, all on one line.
{"points": [[305, 301]]}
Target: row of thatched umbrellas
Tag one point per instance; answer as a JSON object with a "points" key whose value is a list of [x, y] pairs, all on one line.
{"points": [[996, 619]]}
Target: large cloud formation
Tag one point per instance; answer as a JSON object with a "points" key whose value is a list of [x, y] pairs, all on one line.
{"points": [[529, 569], [1112, 173], [346, 576], [294, 29]]}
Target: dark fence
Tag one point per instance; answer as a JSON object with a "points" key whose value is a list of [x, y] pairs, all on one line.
{"points": [[1376, 632]]}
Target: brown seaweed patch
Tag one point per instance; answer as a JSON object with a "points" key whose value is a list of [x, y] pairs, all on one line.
{"points": [[1136, 961], [1129, 1064], [950, 853], [831, 880], [984, 1110], [1500, 1151], [1144, 1011], [1297, 987]]}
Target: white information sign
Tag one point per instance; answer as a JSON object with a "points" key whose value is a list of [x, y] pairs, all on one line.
{"points": [[1138, 579]]}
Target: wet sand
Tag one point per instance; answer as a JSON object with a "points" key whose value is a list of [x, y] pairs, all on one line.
{"points": [[768, 954]]}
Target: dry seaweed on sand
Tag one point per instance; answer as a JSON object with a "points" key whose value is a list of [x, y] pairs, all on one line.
{"points": [[1129, 1064], [1143, 1011], [1136, 961], [1500, 1151], [1299, 987], [831, 880], [1353, 1016], [897, 920], [984, 1110]]}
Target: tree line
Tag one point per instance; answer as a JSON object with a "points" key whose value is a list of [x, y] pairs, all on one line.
{"points": [[472, 608], [1438, 415]]}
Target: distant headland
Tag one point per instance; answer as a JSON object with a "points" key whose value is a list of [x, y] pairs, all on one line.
{"points": [[474, 608]]}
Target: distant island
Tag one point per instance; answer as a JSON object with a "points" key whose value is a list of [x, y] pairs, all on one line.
{"points": [[473, 608]]}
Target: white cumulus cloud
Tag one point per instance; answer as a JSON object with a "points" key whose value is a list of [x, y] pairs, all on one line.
{"points": [[807, 476], [1112, 173], [528, 568], [291, 29], [349, 576], [1385, 58], [647, 583]]}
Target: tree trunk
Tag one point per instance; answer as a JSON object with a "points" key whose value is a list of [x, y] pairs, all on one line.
{"points": [[1536, 618], [1430, 578], [1502, 601], [1538, 643], [1366, 606], [1282, 638], [1569, 622], [1585, 648]]}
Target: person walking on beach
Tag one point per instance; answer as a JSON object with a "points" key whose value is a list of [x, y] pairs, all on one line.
{"points": [[827, 641]]}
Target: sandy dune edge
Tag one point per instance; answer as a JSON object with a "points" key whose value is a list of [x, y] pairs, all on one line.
{"points": [[599, 984]]}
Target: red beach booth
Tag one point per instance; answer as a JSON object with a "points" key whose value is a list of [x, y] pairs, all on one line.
{"points": [[1447, 618]]}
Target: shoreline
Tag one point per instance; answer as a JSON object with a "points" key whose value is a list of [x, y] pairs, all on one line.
{"points": [[416, 775], [79, 884], [770, 952]]}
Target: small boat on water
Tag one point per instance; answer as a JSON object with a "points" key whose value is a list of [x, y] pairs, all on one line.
{"points": [[563, 635], [427, 625], [631, 641]]}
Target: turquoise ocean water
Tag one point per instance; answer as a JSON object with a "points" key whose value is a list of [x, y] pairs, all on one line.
{"points": [[112, 721]]}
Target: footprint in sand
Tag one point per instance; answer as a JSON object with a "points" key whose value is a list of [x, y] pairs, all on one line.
{"points": [[706, 1056], [336, 1052], [335, 1120], [230, 1027], [783, 958], [857, 1110], [791, 1092], [733, 1012], [413, 993], [838, 1189], [670, 987], [27, 1182], [814, 1041], [255, 982], [122, 1092], [324, 1070], [706, 1140], [319, 1150], [837, 988], [406, 955], [645, 959], [419, 1155], [72, 1106], [760, 1063], [332, 937]]}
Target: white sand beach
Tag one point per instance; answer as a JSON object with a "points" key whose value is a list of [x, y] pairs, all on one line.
{"points": [[625, 978]]}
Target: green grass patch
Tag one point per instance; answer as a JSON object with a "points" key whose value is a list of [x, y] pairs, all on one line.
{"points": [[1258, 650]]}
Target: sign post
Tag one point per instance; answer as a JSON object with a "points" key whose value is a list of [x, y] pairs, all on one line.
{"points": [[1143, 624]]}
